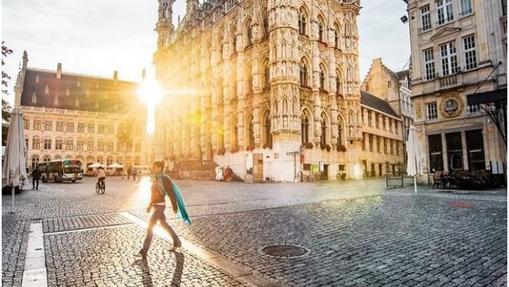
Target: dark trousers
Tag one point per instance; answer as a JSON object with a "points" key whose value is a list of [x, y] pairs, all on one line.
{"points": [[35, 183], [158, 215]]}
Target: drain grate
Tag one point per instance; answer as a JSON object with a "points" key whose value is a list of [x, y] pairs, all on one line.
{"points": [[284, 250]]}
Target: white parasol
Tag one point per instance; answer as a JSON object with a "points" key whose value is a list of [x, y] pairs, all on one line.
{"points": [[115, 165], [414, 153], [96, 165], [14, 168]]}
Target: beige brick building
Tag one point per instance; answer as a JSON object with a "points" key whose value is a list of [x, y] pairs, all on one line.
{"points": [[458, 68], [394, 88], [72, 116]]}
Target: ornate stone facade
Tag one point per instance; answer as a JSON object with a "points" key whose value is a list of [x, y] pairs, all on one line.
{"points": [[71, 116], [276, 80]]}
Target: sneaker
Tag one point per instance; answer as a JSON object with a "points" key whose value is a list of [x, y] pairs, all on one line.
{"points": [[176, 247], [141, 254]]}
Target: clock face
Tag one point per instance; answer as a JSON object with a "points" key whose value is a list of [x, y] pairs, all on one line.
{"points": [[451, 106]]}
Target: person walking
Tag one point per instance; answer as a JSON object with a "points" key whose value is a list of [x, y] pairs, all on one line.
{"points": [[36, 176], [161, 185], [135, 173], [129, 173]]}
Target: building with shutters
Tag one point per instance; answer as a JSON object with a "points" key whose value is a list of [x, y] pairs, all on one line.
{"points": [[459, 58], [73, 116], [270, 89]]}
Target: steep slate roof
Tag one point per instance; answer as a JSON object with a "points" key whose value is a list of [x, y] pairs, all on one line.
{"points": [[376, 103], [110, 95], [403, 74]]}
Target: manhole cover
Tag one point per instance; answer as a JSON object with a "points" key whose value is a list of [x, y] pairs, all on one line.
{"points": [[284, 250]]}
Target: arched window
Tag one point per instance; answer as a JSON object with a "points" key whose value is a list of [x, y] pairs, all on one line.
{"points": [[249, 79], [250, 132], [234, 133], [321, 36], [266, 131], [249, 33], [322, 78], [303, 74], [323, 129], [265, 25], [267, 76], [234, 42], [302, 21], [304, 129], [338, 83], [340, 131], [336, 37]]}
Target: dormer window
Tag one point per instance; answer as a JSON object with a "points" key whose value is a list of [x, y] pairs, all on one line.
{"points": [[37, 78], [67, 92], [78, 83], [77, 102], [34, 99], [46, 90], [55, 102]]}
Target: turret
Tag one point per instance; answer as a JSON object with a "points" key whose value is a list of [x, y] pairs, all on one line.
{"points": [[191, 6], [164, 26]]}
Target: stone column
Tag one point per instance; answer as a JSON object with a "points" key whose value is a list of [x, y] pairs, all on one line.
{"points": [[444, 153]]}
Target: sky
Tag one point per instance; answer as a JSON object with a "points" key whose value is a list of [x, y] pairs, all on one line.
{"points": [[96, 37]]}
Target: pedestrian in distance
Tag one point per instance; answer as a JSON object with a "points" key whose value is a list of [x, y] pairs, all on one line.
{"points": [[162, 185], [36, 176], [135, 173], [129, 173], [101, 176]]}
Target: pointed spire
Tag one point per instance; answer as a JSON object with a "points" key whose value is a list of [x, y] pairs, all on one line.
{"points": [[25, 59]]}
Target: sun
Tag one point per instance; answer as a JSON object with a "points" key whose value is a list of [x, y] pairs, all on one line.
{"points": [[150, 93]]}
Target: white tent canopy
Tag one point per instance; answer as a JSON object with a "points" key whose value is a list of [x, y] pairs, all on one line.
{"points": [[115, 165], [96, 165], [414, 152], [14, 168]]}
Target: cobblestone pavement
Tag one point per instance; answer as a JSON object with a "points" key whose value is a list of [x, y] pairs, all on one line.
{"points": [[105, 257], [356, 234]]}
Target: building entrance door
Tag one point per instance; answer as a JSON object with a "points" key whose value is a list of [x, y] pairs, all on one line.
{"points": [[257, 167]]}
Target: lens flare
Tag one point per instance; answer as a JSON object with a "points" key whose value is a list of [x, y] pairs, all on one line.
{"points": [[150, 93]]}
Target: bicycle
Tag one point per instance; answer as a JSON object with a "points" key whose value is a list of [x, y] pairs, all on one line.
{"points": [[100, 187]]}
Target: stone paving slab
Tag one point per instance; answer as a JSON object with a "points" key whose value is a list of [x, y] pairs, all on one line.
{"points": [[105, 257], [377, 241], [82, 222], [14, 244]]}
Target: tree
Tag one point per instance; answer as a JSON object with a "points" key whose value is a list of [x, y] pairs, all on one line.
{"points": [[6, 108]]}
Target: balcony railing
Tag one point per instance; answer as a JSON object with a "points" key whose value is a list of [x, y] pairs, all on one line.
{"points": [[448, 81]]}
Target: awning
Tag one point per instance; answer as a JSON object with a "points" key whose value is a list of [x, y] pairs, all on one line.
{"points": [[487, 97]]}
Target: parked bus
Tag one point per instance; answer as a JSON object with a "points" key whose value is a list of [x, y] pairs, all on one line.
{"points": [[61, 170]]}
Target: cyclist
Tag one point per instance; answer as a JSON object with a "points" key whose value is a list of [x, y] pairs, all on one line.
{"points": [[101, 176]]}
